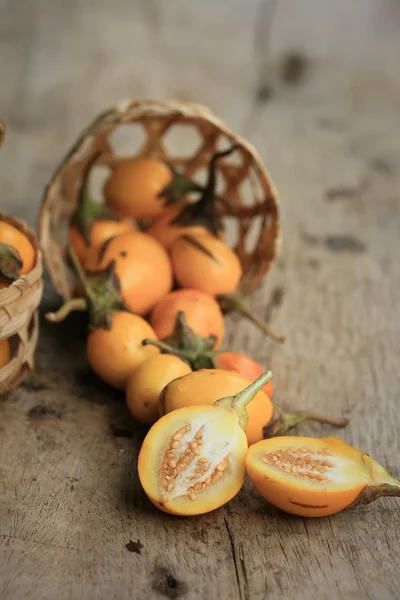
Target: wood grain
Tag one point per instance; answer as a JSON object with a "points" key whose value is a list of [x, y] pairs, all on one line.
{"points": [[74, 522]]}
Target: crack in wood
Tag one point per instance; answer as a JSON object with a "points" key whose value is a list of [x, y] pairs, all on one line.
{"points": [[237, 571], [38, 542]]}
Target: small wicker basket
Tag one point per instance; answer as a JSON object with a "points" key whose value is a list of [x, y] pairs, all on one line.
{"points": [[256, 215], [19, 320]]}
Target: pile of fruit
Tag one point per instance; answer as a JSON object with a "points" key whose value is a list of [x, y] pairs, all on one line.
{"points": [[155, 273]]}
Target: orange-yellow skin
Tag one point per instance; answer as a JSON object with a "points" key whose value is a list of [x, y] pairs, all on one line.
{"points": [[146, 383], [5, 353], [100, 232], [208, 385], [142, 266], [13, 237], [114, 353], [167, 233], [291, 493], [195, 269], [202, 313], [244, 365], [155, 443], [133, 186]]}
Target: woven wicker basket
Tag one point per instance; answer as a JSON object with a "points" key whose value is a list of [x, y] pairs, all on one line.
{"points": [[19, 320], [256, 215]]}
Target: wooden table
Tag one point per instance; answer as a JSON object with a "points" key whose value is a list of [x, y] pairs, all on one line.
{"points": [[74, 523]]}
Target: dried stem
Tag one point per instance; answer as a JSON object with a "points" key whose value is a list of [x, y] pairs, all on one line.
{"points": [[204, 212], [312, 416], [76, 304], [282, 422]]}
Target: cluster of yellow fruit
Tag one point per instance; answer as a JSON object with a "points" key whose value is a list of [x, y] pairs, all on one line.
{"points": [[208, 410]]}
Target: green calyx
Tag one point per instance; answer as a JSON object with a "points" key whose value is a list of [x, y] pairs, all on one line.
{"points": [[178, 187], [102, 296], [185, 339], [105, 297], [204, 211], [187, 345], [242, 399], [10, 263], [102, 291], [88, 212]]}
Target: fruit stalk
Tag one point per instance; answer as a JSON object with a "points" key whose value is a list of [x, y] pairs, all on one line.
{"points": [[234, 303], [163, 346], [102, 295], [381, 490], [209, 191], [203, 212], [282, 422], [73, 305], [381, 485], [179, 186], [242, 399]]}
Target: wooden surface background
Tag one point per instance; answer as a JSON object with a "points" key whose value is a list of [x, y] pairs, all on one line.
{"points": [[74, 522]]}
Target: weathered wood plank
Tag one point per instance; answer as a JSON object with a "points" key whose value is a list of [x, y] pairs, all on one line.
{"points": [[73, 519]]}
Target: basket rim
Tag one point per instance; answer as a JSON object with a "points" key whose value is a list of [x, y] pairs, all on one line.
{"points": [[148, 106]]}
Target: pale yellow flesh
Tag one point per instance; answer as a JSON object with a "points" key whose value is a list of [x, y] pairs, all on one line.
{"points": [[222, 437], [346, 466]]}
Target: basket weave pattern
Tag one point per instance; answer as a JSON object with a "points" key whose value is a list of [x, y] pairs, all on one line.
{"points": [[156, 118], [19, 318]]}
